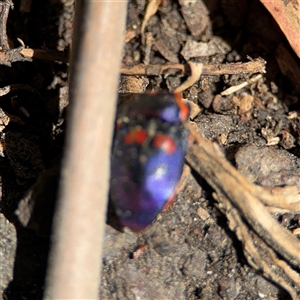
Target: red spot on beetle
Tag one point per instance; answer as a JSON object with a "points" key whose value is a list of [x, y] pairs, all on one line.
{"points": [[135, 136], [164, 142]]}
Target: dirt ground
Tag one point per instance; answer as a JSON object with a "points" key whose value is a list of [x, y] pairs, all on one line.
{"points": [[189, 252]]}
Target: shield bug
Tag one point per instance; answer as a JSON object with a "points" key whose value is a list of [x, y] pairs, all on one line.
{"points": [[148, 157]]}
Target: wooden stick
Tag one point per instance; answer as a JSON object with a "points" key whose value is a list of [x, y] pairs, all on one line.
{"points": [[75, 260]]}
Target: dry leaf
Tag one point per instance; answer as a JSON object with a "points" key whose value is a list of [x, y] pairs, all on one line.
{"points": [[287, 16]]}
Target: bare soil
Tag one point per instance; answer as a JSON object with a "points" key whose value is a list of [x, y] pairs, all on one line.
{"points": [[190, 251]]}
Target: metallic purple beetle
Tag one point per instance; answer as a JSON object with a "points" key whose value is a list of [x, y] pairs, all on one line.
{"points": [[148, 157]]}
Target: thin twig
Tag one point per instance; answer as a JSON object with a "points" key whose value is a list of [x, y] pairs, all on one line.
{"points": [[13, 55], [6, 5], [256, 66], [241, 200], [45, 54], [7, 57], [259, 255], [207, 159], [238, 87]]}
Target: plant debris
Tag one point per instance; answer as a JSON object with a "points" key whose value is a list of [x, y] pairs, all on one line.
{"points": [[233, 232]]}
